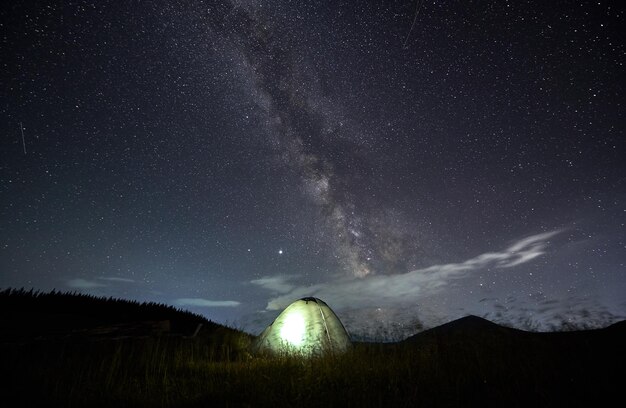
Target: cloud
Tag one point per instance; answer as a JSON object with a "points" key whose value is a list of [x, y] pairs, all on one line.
{"points": [[394, 290], [206, 303], [116, 279], [84, 284], [80, 283], [278, 284], [526, 249], [537, 312]]}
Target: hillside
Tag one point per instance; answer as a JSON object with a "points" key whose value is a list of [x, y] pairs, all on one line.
{"points": [[35, 315], [549, 368], [467, 362]]}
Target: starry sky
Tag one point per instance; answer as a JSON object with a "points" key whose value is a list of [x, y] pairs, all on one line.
{"points": [[408, 162]]}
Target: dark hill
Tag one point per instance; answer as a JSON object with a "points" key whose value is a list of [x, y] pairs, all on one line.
{"points": [[574, 366], [468, 325], [470, 328], [619, 326], [472, 334], [36, 315]]}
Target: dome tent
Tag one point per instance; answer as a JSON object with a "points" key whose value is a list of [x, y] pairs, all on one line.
{"points": [[306, 327]]}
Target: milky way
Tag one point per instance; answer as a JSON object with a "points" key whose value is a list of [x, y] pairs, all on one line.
{"points": [[306, 133], [407, 162]]}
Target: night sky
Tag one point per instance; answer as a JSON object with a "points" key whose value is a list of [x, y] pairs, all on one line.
{"points": [[408, 162]]}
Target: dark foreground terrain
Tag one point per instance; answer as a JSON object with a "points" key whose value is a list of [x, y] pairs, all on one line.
{"points": [[74, 350]]}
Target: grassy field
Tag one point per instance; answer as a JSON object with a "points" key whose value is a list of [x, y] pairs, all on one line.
{"points": [[466, 363]]}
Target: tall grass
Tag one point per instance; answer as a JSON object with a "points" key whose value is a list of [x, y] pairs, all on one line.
{"points": [[473, 366], [187, 372]]}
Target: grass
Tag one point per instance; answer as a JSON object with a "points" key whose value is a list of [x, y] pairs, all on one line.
{"points": [[443, 368], [185, 372]]}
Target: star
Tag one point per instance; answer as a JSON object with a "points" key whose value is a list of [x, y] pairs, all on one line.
{"points": [[396, 153]]}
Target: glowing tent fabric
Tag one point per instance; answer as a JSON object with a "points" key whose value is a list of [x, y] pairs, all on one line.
{"points": [[307, 327]]}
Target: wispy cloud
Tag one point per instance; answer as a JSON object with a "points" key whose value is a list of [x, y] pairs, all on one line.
{"points": [[278, 284], [206, 303], [84, 284], [80, 283], [394, 290], [537, 312], [116, 279]]}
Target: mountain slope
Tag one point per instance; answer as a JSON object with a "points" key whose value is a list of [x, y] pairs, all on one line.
{"points": [[575, 366], [31, 315]]}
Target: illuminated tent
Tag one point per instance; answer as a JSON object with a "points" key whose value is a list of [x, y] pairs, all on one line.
{"points": [[307, 327]]}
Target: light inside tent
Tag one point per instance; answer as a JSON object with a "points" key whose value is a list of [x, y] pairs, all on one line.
{"points": [[307, 327], [293, 329]]}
